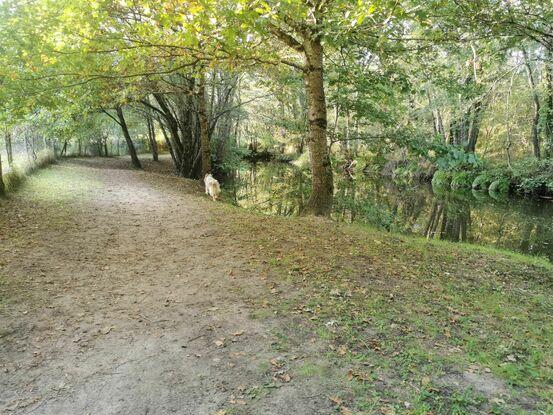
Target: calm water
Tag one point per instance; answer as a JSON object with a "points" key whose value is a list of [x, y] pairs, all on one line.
{"points": [[524, 225]]}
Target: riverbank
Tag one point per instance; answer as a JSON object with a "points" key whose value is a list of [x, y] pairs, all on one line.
{"points": [[519, 224], [130, 291]]}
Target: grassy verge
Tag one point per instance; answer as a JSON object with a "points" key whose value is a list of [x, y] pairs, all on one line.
{"points": [[16, 177], [417, 326]]}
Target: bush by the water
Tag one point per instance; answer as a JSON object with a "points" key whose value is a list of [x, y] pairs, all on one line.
{"points": [[533, 176], [485, 178], [462, 180], [441, 180], [528, 176], [500, 185]]}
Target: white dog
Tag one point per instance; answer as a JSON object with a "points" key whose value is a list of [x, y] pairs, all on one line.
{"points": [[212, 187]]}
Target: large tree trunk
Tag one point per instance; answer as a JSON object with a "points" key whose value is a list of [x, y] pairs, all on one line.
{"points": [[130, 145], [173, 133], [205, 145], [320, 201], [475, 122]]}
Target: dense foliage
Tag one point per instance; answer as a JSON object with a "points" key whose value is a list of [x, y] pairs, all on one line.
{"points": [[460, 87]]}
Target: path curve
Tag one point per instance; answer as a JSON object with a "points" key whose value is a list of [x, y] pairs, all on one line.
{"points": [[120, 295]]}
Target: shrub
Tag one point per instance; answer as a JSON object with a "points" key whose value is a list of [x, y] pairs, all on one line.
{"points": [[402, 175], [455, 158], [17, 175], [13, 179], [485, 178], [441, 180], [375, 214], [481, 182], [501, 186], [462, 180], [533, 176]]}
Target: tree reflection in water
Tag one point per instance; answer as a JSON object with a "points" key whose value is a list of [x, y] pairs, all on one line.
{"points": [[519, 224]]}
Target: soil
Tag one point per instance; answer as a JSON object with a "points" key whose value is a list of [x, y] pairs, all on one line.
{"points": [[120, 296], [132, 292]]}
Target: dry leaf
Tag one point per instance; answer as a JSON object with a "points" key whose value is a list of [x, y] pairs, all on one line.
{"points": [[220, 343], [277, 362], [237, 401], [388, 410], [239, 333], [342, 350], [336, 400], [360, 376], [284, 377]]}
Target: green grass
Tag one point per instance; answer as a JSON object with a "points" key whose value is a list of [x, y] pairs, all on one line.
{"points": [[401, 313], [416, 311], [19, 173]]}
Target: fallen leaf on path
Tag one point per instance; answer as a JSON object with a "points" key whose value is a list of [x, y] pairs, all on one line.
{"points": [[388, 410], [361, 376], [342, 350], [236, 401], [284, 377], [220, 343], [277, 362], [238, 333], [336, 400], [106, 330]]}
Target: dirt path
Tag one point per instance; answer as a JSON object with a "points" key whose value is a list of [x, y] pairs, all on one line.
{"points": [[118, 295]]}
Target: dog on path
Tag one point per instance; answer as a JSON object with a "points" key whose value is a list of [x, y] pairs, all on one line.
{"points": [[212, 186]]}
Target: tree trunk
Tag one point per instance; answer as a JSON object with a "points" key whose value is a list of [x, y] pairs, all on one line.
{"points": [[168, 142], [536, 99], [130, 145], [152, 137], [64, 149], [320, 201], [549, 102], [9, 148], [105, 140], [475, 123], [205, 145], [173, 130], [2, 187]]}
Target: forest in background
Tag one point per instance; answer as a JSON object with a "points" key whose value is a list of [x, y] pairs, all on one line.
{"points": [[457, 92]]}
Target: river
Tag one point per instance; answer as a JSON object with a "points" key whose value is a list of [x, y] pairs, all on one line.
{"points": [[514, 223]]}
